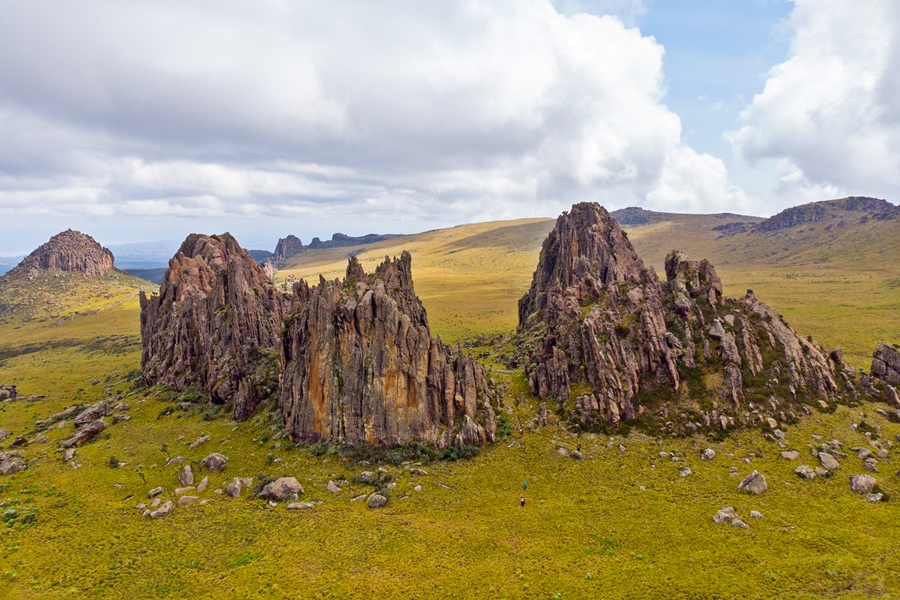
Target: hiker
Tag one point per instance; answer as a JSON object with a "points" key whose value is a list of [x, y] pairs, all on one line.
{"points": [[522, 500], [525, 485], [579, 446]]}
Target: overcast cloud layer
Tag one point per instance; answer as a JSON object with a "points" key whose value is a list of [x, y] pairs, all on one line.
{"points": [[385, 113]]}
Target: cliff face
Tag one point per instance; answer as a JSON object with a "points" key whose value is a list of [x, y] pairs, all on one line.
{"points": [[608, 341], [286, 248], [359, 365], [211, 324], [68, 251]]}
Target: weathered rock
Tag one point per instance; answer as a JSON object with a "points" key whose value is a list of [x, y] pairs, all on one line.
{"points": [[376, 500], [56, 418], [755, 514], [862, 484], [155, 503], [84, 434], [8, 392], [186, 477], [685, 472], [69, 455], [204, 483], [19, 441], [162, 511], [708, 454], [300, 505], [200, 441], [864, 453], [738, 524], [886, 363], [724, 515], [92, 413], [360, 366], [155, 492], [187, 500], [893, 397], [283, 488], [333, 487], [805, 472], [871, 464], [790, 454], [216, 315], [184, 490], [754, 483], [418, 471], [4, 433], [176, 461], [576, 455], [215, 462], [11, 462], [828, 461], [68, 251], [822, 472], [286, 248], [233, 489]]}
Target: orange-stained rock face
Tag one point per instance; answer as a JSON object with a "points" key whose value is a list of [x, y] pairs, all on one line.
{"points": [[215, 313], [359, 365]]}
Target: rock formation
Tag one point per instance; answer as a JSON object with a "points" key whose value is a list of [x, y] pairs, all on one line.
{"points": [[286, 248], [608, 341], [213, 324], [886, 364], [360, 365], [68, 251]]}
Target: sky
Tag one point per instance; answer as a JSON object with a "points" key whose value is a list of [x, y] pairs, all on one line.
{"points": [[140, 121]]}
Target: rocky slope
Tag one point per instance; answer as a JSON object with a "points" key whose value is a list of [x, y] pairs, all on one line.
{"points": [[67, 251], [836, 212], [607, 340], [359, 365], [213, 325]]}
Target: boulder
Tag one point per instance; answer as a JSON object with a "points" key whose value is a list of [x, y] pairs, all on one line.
{"points": [[754, 483], [333, 487], [828, 461], [186, 477], [877, 497], [162, 511], [4, 433], [862, 484], [84, 434], [20, 441], [69, 455], [790, 454], [204, 483], [755, 514], [805, 472], [376, 500], [184, 490], [300, 505], [215, 462], [708, 454], [187, 500], [738, 524], [724, 515], [155, 492], [418, 471], [576, 455], [92, 413], [233, 489], [11, 462], [871, 464], [283, 488], [886, 363], [200, 441]]}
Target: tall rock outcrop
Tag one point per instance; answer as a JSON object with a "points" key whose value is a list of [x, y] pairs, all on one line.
{"points": [[286, 248], [606, 339], [886, 364], [68, 251], [214, 325], [359, 365]]}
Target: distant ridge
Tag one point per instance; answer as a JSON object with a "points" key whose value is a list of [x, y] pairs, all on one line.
{"points": [[858, 208], [67, 251]]}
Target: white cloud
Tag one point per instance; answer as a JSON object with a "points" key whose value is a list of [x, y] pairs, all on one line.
{"points": [[441, 112], [829, 115]]}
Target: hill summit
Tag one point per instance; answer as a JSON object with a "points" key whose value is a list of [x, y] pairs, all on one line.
{"points": [[67, 251]]}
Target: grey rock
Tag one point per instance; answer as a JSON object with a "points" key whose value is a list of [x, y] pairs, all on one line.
{"points": [[92, 413], [828, 461], [805, 472], [300, 505], [233, 489], [187, 476], [871, 464], [187, 500], [215, 462], [204, 483], [376, 500], [562, 451], [754, 483], [576, 455], [11, 462], [779, 434], [738, 524], [821, 472], [176, 461], [4, 433], [418, 488], [874, 497], [162, 511], [708, 454], [685, 472], [155, 492], [864, 453], [84, 434], [755, 514], [155, 503], [141, 506], [184, 490], [283, 488], [333, 487], [790, 455], [417, 471], [358, 498], [200, 441], [862, 484], [726, 514]]}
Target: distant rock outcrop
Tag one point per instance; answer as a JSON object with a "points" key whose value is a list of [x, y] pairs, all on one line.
{"points": [[886, 364], [608, 341], [858, 207], [286, 248], [339, 240], [214, 324], [67, 251], [360, 365]]}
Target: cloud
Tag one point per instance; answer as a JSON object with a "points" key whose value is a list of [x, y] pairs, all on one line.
{"points": [[439, 112], [829, 114]]}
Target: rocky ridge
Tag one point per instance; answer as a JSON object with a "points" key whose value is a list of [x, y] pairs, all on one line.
{"points": [[286, 248], [67, 251], [857, 208], [608, 341], [359, 365], [214, 324]]}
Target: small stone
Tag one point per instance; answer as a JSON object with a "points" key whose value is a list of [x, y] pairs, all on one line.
{"points": [[155, 492], [163, 510], [300, 505], [828, 461], [790, 455], [882, 454], [204, 483], [665, 454], [187, 500], [708, 454], [822, 472], [416, 471], [146, 513], [376, 500], [272, 503], [771, 422], [738, 524], [156, 502], [215, 462], [562, 451], [332, 487], [283, 488], [864, 453], [418, 488], [176, 461], [11, 463], [779, 434], [218, 491], [358, 498], [726, 514], [187, 476], [621, 448], [200, 441], [754, 483], [805, 472], [141, 506], [755, 514], [184, 490], [871, 464], [874, 497], [233, 489], [685, 472], [576, 455], [862, 484]]}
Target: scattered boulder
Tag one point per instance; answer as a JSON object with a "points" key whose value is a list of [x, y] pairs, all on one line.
{"points": [[877, 497], [283, 488], [358, 498], [8, 392], [11, 462], [862, 484], [57, 417], [84, 434], [332, 487], [685, 472], [864, 453], [204, 483], [300, 505], [418, 471], [790, 454], [755, 514], [20, 441], [805, 472], [828, 461], [886, 363], [69, 455], [576, 455], [708, 454], [184, 490], [176, 461], [417, 488], [562, 451], [871, 464], [215, 462], [162, 511], [155, 492], [187, 500], [187, 476], [725, 514], [200, 441], [233, 489], [4, 433], [92, 413], [738, 524], [376, 500], [822, 472], [155, 503], [754, 483]]}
